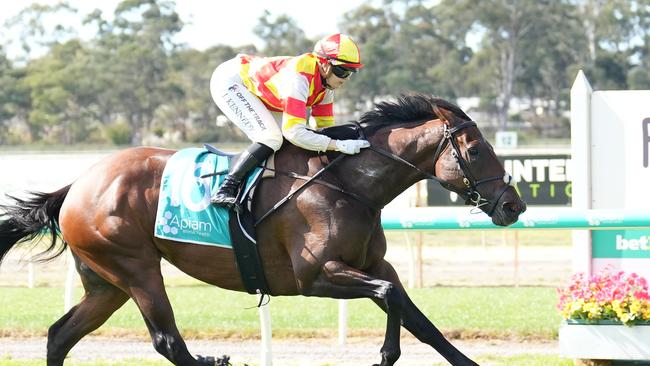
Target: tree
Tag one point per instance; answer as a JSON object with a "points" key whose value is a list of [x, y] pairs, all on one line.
{"points": [[639, 77], [617, 30], [371, 30], [62, 94], [431, 48], [37, 31], [15, 101], [281, 36], [508, 27], [8, 83], [133, 50], [191, 109], [552, 58], [131, 79]]}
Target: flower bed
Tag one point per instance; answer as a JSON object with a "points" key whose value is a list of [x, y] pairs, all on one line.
{"points": [[607, 295], [600, 313]]}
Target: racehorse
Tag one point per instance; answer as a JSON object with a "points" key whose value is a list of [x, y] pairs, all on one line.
{"points": [[326, 241]]}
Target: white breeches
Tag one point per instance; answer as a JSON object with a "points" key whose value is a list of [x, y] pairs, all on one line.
{"points": [[244, 108]]}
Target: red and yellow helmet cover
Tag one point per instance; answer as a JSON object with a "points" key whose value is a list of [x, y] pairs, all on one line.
{"points": [[339, 49]]}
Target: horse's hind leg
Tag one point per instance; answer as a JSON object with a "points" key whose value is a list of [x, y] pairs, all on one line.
{"points": [[143, 281], [148, 291], [99, 302]]}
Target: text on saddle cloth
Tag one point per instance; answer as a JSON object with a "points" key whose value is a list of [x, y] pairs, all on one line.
{"points": [[184, 210]]}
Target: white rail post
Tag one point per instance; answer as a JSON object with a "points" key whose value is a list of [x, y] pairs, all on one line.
{"points": [[412, 261], [30, 275], [581, 165], [516, 259], [69, 284], [343, 321], [421, 200], [419, 283], [266, 355]]}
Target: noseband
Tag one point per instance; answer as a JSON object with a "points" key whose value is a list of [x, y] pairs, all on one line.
{"points": [[470, 194]]}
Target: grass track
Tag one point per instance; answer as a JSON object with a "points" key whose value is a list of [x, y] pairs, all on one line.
{"points": [[205, 311]]}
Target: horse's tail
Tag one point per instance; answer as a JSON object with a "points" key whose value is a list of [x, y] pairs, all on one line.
{"points": [[26, 219]]}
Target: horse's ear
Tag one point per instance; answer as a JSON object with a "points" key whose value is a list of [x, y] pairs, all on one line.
{"points": [[443, 114]]}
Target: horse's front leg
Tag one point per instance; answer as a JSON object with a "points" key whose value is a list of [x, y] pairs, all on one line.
{"points": [[416, 322], [340, 281]]}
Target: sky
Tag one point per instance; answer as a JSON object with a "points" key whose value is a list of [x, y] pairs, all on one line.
{"points": [[210, 22]]}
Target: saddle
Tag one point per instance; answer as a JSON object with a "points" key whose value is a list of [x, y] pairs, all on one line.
{"points": [[185, 213]]}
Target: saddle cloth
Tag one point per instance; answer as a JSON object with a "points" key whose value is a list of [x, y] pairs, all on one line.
{"points": [[185, 213]]}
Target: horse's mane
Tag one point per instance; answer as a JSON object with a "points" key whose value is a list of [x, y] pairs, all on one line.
{"points": [[407, 108]]}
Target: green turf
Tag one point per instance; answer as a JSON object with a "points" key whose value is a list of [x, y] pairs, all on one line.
{"points": [[202, 310]]}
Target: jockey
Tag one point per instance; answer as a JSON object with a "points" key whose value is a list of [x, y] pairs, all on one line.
{"points": [[268, 97]]}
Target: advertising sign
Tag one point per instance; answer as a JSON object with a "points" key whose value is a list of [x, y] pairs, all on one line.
{"points": [[620, 174], [542, 179], [621, 244]]}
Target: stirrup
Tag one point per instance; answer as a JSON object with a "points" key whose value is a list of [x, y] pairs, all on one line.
{"points": [[226, 195], [223, 200], [228, 205]]}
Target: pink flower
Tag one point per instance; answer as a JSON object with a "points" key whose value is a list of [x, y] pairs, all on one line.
{"points": [[642, 295]]}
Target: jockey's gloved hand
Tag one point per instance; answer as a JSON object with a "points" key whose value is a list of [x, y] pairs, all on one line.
{"points": [[351, 146]]}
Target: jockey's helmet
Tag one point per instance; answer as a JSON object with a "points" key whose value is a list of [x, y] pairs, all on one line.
{"points": [[339, 50]]}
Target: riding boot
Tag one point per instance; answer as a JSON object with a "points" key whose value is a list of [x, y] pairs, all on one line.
{"points": [[254, 155]]}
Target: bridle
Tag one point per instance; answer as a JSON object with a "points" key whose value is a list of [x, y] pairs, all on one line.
{"points": [[470, 194]]}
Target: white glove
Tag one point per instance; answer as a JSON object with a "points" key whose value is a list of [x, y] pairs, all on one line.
{"points": [[351, 146]]}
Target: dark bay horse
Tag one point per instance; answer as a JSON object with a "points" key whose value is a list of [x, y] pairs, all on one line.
{"points": [[323, 242]]}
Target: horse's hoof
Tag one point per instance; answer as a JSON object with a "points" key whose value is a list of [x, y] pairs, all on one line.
{"points": [[208, 360], [223, 361], [211, 361]]}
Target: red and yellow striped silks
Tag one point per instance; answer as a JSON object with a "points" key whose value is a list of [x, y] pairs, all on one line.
{"points": [[289, 85]]}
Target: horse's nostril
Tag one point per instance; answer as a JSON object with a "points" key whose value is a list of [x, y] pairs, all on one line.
{"points": [[523, 207], [511, 207]]}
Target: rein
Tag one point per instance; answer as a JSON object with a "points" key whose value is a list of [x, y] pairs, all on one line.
{"points": [[292, 193], [470, 194]]}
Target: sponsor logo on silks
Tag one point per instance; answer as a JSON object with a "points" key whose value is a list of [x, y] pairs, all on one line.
{"points": [[243, 119], [251, 110], [173, 224], [632, 244]]}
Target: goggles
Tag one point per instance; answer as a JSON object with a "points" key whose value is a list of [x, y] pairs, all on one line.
{"points": [[342, 72]]}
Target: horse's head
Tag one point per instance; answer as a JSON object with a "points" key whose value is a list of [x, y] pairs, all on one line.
{"points": [[431, 138], [465, 163]]}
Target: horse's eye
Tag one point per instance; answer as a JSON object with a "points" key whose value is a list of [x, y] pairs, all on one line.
{"points": [[473, 151]]}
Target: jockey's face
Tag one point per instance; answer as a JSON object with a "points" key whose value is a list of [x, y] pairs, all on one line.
{"points": [[333, 81]]}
